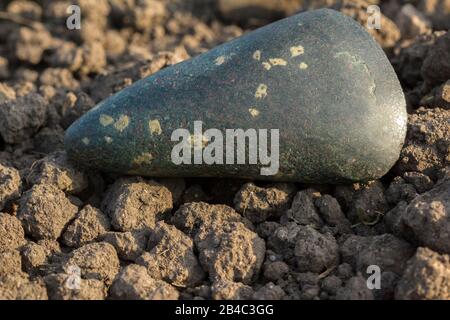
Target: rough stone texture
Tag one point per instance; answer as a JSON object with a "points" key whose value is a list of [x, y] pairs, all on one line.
{"points": [[190, 217], [96, 260], [427, 145], [36, 257], [45, 211], [89, 224], [230, 252], [303, 210], [10, 261], [136, 204], [427, 217], [355, 289], [408, 64], [171, 257], [368, 203], [257, 204], [438, 97], [129, 245], [134, 283], [400, 190], [386, 251], [331, 284], [283, 241], [21, 118], [427, 276], [269, 291], [19, 287], [57, 170], [75, 107], [276, 270], [267, 228], [314, 251], [11, 232], [331, 213], [229, 290], [87, 289]]}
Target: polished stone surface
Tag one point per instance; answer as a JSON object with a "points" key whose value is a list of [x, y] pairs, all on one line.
{"points": [[318, 77]]}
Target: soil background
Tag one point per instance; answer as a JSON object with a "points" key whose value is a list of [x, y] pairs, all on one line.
{"points": [[66, 233]]}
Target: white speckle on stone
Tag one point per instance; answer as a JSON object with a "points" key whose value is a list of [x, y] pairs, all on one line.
{"points": [[144, 158], [261, 91], [296, 51], [108, 139], [85, 140], [155, 127], [266, 65], [193, 139], [254, 112], [105, 120], [303, 66], [122, 123], [219, 60], [277, 62], [257, 55]]}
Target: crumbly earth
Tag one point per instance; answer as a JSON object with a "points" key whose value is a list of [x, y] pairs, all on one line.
{"points": [[66, 233]]}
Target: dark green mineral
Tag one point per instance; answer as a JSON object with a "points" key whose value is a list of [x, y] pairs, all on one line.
{"points": [[314, 97]]}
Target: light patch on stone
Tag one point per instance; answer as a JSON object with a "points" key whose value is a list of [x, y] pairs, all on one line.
{"points": [[220, 60], [261, 91], [266, 65], [144, 158], [155, 127], [358, 64], [194, 138], [257, 55], [105, 120], [85, 141], [254, 112], [108, 139], [303, 66], [277, 62], [296, 51], [122, 123]]}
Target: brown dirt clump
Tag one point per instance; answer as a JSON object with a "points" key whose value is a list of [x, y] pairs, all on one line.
{"points": [[134, 283], [96, 260], [89, 224], [427, 146], [135, 204], [426, 277], [11, 232], [171, 257], [45, 211]]}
